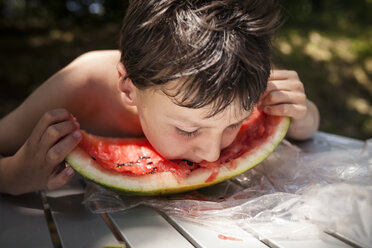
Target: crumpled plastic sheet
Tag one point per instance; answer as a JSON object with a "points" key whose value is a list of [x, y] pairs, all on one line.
{"points": [[293, 194]]}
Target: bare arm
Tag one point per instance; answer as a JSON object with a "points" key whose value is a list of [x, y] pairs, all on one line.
{"points": [[36, 136], [57, 92]]}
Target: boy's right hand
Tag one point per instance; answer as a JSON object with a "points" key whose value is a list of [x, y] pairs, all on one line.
{"points": [[35, 166]]}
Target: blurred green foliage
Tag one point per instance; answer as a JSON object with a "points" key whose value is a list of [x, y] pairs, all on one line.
{"points": [[329, 44]]}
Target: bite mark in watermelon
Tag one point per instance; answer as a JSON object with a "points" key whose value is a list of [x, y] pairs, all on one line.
{"points": [[133, 166]]}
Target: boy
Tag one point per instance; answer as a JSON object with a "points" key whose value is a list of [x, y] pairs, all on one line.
{"points": [[188, 73]]}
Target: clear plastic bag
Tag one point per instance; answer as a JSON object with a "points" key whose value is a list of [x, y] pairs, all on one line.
{"points": [[291, 190]]}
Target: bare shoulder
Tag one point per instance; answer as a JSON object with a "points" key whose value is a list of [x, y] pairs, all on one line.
{"points": [[90, 72], [94, 65], [97, 58], [71, 88]]}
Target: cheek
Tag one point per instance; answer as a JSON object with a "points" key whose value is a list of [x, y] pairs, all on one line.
{"points": [[228, 138], [171, 147], [166, 142]]}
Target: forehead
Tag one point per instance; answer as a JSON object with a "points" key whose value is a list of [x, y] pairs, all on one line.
{"points": [[164, 104]]}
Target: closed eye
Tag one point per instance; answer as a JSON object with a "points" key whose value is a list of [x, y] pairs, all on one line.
{"points": [[235, 126], [187, 133], [196, 132]]}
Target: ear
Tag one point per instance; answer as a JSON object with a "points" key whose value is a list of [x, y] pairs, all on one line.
{"points": [[126, 85]]}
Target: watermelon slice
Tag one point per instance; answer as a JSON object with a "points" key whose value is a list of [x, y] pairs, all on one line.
{"points": [[133, 166]]}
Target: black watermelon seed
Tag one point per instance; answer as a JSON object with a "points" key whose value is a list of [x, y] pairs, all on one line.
{"points": [[125, 164], [152, 171]]}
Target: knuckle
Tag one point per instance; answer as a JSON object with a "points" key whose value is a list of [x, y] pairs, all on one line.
{"points": [[301, 86], [29, 144], [301, 111], [269, 98], [48, 116], [297, 85], [285, 109], [52, 155], [270, 86], [53, 131], [276, 96], [63, 112], [293, 74], [51, 115], [303, 108], [303, 98]]}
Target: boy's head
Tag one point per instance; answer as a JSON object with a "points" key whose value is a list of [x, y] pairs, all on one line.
{"points": [[208, 56]]}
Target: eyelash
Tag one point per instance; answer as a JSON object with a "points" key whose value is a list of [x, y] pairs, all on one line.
{"points": [[187, 134], [195, 133]]}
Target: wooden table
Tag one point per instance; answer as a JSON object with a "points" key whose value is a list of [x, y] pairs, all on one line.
{"points": [[59, 219]]}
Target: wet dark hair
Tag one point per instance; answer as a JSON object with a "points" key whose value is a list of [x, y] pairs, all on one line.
{"points": [[220, 50]]}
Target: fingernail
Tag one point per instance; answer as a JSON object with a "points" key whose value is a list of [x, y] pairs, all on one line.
{"points": [[69, 171], [73, 117], [76, 134], [77, 124]]}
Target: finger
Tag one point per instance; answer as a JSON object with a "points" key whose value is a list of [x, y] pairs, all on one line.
{"points": [[291, 110], [58, 180], [283, 74], [283, 85], [58, 169], [49, 118], [292, 85], [62, 148], [55, 132], [281, 97]]}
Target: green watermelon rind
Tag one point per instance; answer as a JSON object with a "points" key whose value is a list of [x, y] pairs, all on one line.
{"points": [[165, 182]]}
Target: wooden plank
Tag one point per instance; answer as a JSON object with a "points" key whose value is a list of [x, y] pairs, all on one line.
{"points": [[77, 226], [304, 235], [22, 222], [207, 237], [143, 227], [326, 242]]}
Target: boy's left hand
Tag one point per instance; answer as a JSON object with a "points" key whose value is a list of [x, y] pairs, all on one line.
{"points": [[284, 96]]}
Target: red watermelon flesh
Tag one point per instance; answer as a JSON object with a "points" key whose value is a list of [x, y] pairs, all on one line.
{"points": [[136, 158]]}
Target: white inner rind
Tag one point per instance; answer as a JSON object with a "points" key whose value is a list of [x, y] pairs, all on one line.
{"points": [[166, 182]]}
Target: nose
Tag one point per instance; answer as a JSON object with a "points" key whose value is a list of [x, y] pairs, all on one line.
{"points": [[210, 149]]}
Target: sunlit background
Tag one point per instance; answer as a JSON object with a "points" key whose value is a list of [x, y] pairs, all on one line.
{"points": [[328, 42]]}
